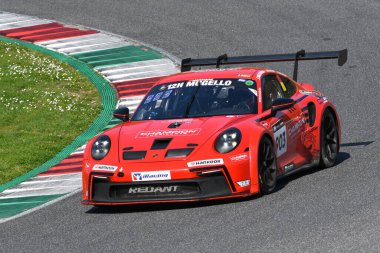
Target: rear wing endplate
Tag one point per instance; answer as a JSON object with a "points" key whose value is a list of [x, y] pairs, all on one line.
{"points": [[301, 55]]}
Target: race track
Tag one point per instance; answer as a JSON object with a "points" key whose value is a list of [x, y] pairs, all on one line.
{"points": [[336, 209]]}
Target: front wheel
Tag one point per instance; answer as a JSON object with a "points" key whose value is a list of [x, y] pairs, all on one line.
{"points": [[328, 140], [267, 166]]}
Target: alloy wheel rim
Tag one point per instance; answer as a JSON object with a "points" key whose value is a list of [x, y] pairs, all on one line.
{"points": [[268, 168], [331, 138]]}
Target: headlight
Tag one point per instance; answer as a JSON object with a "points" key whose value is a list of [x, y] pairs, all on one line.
{"points": [[228, 140], [101, 147]]}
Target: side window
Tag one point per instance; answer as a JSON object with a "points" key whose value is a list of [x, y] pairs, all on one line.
{"points": [[271, 90], [288, 87]]}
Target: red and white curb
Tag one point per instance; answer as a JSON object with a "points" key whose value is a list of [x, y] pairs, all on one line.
{"points": [[85, 43], [131, 79]]}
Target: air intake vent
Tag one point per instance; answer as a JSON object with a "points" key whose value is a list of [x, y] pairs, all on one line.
{"points": [[134, 155], [175, 153], [174, 125], [160, 144]]}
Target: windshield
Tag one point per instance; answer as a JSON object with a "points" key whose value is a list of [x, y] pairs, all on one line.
{"points": [[198, 98]]}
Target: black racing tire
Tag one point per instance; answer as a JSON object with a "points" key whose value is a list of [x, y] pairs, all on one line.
{"points": [[329, 140], [267, 166]]}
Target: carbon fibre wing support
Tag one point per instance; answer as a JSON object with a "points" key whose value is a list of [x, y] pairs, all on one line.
{"points": [[301, 55]]}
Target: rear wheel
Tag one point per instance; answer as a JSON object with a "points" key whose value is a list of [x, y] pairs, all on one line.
{"points": [[267, 166], [328, 140]]}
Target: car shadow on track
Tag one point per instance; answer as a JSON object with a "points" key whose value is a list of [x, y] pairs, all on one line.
{"points": [[354, 144], [342, 156], [165, 206]]}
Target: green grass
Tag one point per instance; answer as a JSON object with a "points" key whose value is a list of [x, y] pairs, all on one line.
{"points": [[44, 105]]}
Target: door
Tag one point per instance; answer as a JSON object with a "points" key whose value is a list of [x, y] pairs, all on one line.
{"points": [[296, 125], [282, 123]]}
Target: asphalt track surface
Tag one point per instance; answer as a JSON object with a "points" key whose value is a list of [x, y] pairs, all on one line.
{"points": [[336, 209]]}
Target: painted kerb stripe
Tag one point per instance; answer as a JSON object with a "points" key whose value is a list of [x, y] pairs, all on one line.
{"points": [[131, 67], [108, 100]]}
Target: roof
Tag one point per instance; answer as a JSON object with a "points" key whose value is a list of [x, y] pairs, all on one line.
{"points": [[213, 73]]}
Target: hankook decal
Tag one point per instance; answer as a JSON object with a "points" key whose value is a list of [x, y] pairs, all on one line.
{"points": [[217, 161]]}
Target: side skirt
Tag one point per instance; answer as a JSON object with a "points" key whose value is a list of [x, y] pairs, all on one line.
{"points": [[303, 167]]}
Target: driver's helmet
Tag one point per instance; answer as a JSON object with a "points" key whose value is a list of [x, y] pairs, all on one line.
{"points": [[206, 96], [238, 95], [241, 96]]}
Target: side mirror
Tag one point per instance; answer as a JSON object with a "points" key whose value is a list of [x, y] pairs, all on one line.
{"points": [[121, 113], [282, 104]]}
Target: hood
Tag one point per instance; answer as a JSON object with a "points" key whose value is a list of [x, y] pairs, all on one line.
{"points": [[160, 140]]}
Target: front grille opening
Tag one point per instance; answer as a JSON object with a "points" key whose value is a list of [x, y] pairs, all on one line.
{"points": [[195, 188], [134, 155], [176, 153], [160, 144], [152, 191]]}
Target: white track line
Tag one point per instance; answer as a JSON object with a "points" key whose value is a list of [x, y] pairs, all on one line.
{"points": [[51, 178], [11, 20], [73, 44], [129, 67], [70, 40], [141, 75], [18, 193], [41, 206], [23, 24], [81, 40], [7, 15], [91, 48], [138, 70], [35, 182]]}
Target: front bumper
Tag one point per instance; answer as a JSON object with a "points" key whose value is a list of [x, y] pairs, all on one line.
{"points": [[104, 191]]}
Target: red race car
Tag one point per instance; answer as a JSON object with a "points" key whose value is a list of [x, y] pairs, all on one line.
{"points": [[211, 134]]}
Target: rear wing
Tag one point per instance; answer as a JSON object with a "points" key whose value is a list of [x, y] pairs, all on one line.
{"points": [[301, 55]]}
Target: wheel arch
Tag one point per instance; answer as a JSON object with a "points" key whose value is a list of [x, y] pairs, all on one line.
{"points": [[333, 111], [316, 129], [254, 153], [327, 160]]}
